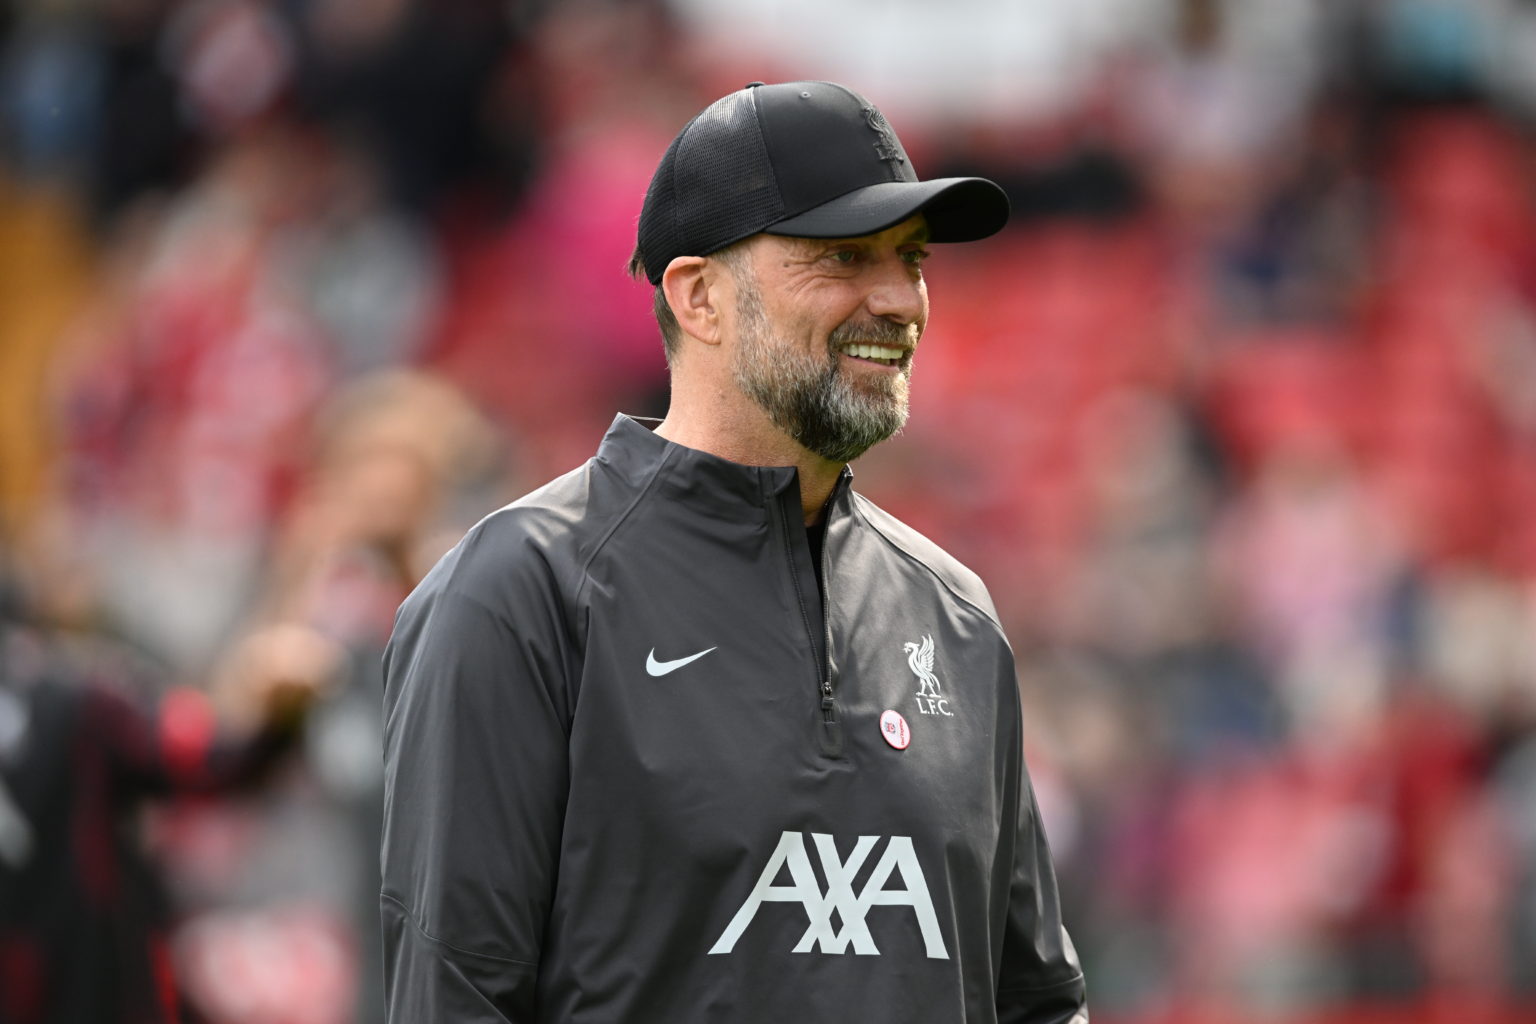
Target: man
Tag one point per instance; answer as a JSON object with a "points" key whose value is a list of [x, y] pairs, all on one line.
{"points": [[695, 732]]}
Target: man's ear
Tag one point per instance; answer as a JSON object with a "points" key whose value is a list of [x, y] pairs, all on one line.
{"points": [[690, 291]]}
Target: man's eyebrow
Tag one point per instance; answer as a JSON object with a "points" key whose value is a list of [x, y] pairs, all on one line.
{"points": [[920, 234], [801, 246]]}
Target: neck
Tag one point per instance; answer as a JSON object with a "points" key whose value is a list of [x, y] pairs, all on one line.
{"points": [[755, 441]]}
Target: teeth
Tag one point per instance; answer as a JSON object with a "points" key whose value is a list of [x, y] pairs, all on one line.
{"points": [[879, 352]]}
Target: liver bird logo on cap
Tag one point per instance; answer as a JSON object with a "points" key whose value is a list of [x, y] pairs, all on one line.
{"points": [[886, 146]]}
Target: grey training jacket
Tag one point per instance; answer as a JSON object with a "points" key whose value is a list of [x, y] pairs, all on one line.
{"points": [[635, 775]]}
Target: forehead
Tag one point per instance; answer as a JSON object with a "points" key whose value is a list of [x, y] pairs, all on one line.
{"points": [[912, 230]]}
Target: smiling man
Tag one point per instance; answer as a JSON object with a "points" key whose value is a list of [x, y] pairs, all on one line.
{"points": [[696, 732], [828, 368]]}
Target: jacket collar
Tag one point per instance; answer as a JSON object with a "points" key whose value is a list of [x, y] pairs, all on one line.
{"points": [[632, 447]]}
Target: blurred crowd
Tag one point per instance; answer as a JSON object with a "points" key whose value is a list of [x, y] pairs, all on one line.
{"points": [[1237, 419]]}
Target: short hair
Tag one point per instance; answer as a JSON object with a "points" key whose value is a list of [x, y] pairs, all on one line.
{"points": [[733, 256]]}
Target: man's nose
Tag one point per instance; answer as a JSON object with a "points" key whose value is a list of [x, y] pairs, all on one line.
{"points": [[897, 292]]}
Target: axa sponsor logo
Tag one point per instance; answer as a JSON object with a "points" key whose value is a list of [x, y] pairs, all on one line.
{"points": [[852, 930], [920, 659]]}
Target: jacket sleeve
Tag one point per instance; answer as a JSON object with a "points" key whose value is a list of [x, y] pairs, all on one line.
{"points": [[475, 742], [1040, 982]]}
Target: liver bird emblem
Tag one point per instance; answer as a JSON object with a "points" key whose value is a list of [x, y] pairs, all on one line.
{"points": [[920, 659]]}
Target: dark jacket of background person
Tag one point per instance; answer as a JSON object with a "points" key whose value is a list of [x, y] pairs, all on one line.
{"points": [[83, 916]]}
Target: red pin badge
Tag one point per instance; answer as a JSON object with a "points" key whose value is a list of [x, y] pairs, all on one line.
{"points": [[895, 730]]}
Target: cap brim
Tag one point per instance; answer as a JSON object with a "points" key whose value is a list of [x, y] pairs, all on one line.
{"points": [[957, 210]]}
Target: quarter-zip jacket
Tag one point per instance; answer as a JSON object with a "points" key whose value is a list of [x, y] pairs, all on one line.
{"points": [[643, 769]]}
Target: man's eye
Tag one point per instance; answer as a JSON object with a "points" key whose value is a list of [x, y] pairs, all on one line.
{"points": [[915, 256], [842, 256]]}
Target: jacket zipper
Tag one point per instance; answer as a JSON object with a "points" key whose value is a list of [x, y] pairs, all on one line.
{"points": [[831, 735], [831, 728], [831, 725]]}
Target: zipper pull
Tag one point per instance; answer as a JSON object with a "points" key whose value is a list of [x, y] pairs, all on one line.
{"points": [[831, 728]]}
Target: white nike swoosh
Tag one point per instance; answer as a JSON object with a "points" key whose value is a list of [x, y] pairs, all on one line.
{"points": [[661, 668]]}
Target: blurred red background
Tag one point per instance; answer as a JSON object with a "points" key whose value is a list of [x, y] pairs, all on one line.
{"points": [[1237, 419]]}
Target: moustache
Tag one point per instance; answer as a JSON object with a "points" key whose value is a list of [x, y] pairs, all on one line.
{"points": [[874, 332]]}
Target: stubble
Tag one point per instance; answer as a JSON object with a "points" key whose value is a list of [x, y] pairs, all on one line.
{"points": [[810, 397]]}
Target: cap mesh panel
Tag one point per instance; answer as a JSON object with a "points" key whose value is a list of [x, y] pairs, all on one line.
{"points": [[713, 187]]}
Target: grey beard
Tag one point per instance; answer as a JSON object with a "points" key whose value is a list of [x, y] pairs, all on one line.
{"points": [[810, 398]]}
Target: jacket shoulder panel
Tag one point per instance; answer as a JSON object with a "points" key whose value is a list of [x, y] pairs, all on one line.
{"points": [[550, 534], [956, 578]]}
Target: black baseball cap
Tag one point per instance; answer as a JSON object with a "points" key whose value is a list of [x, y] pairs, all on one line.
{"points": [[810, 159]]}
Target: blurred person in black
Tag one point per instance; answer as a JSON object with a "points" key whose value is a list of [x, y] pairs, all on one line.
{"points": [[395, 454], [83, 916]]}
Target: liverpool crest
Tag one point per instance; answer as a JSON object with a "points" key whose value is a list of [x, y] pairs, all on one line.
{"points": [[920, 659], [886, 146]]}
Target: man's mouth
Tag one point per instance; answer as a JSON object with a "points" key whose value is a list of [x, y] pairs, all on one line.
{"points": [[884, 355]]}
